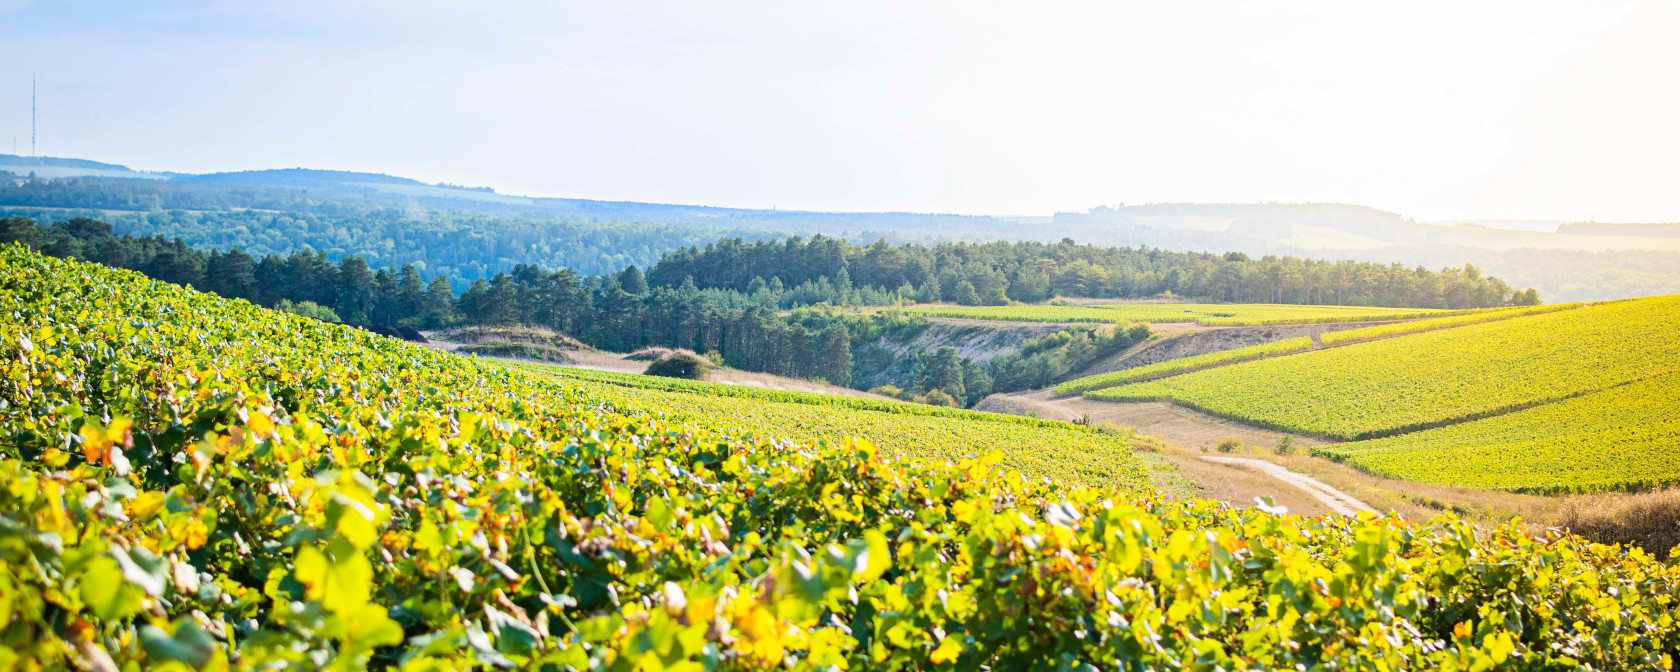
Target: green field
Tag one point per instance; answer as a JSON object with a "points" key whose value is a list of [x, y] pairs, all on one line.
{"points": [[1419, 326], [1185, 364], [1037, 448], [1207, 314], [199, 484], [1434, 378], [783, 396], [1623, 438]]}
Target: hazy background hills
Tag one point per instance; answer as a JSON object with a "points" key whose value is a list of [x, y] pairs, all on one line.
{"points": [[473, 232]]}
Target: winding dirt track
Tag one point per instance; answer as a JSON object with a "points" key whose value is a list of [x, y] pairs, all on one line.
{"points": [[1338, 501], [1186, 431]]}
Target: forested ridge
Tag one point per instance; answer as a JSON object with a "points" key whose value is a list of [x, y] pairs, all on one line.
{"points": [[996, 273], [747, 324]]}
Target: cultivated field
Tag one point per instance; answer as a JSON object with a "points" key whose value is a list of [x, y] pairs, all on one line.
{"points": [[197, 483], [1434, 378], [1037, 448], [1623, 438]]}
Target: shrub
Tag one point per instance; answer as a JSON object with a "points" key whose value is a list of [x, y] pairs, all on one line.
{"points": [[1229, 445], [893, 391], [308, 309], [1286, 445], [679, 365], [941, 398]]}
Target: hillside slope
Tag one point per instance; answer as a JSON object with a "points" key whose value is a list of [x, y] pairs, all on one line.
{"points": [[1417, 381], [196, 483]]}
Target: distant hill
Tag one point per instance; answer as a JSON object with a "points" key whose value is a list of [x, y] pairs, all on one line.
{"points": [[52, 167], [348, 211], [1671, 230]]}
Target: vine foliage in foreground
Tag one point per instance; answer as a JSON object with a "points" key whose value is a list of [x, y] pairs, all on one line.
{"points": [[197, 483]]}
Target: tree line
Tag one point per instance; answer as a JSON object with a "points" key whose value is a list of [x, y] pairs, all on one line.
{"points": [[996, 273], [616, 311], [749, 326]]}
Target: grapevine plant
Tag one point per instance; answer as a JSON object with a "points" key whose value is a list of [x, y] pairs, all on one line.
{"points": [[195, 483]]}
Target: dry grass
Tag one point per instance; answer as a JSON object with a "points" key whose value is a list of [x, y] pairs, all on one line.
{"points": [[658, 353], [1650, 520]]}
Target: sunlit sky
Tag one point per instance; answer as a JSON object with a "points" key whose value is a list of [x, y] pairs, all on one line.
{"points": [[1542, 110]]}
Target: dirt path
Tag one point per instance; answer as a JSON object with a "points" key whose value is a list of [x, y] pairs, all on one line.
{"points": [[1338, 501], [1173, 424], [1187, 436]]}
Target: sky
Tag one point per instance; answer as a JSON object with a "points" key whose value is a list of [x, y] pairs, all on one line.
{"points": [[1436, 110]]}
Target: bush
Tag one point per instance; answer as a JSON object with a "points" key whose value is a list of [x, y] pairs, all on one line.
{"points": [[651, 354], [941, 398], [893, 391], [1229, 445], [679, 365], [308, 309], [1286, 445]]}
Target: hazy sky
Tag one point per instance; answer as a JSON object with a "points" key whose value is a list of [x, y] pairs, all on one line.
{"points": [[1435, 110]]}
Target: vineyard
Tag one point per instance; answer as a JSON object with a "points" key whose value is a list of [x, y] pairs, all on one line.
{"points": [[891, 406], [1419, 326], [1185, 364], [1434, 378], [196, 483], [1623, 438], [1218, 314], [936, 434]]}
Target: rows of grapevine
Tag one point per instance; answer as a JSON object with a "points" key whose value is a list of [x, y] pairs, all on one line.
{"points": [[1218, 314], [1070, 454], [1623, 438], [892, 406], [1418, 326], [194, 483], [1037, 448], [1413, 382], [1185, 364]]}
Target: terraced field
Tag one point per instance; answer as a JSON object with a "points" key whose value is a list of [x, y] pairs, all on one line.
{"points": [[1623, 438], [1245, 314], [1395, 385]]}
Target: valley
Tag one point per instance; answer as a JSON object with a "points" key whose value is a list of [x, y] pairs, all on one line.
{"points": [[865, 422]]}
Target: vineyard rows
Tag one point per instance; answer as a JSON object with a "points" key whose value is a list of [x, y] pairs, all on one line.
{"points": [[1419, 326], [196, 483], [1385, 387], [1185, 364], [1624, 438], [782, 396], [1238, 314]]}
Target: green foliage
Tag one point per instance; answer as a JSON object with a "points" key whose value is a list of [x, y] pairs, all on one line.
{"points": [[887, 391], [1417, 326], [1185, 364], [679, 365], [574, 376], [1619, 438], [1229, 445], [516, 350], [199, 483], [1435, 378], [307, 309], [1285, 445]]}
